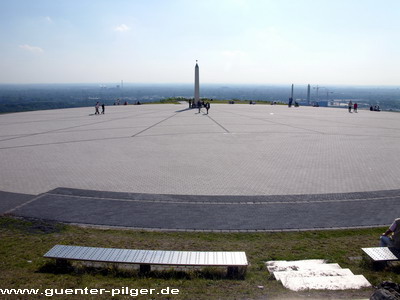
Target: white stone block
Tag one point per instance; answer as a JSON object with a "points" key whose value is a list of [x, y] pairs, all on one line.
{"points": [[316, 275], [286, 275], [274, 266], [327, 283]]}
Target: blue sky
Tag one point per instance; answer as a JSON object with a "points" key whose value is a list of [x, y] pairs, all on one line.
{"points": [[352, 42]]}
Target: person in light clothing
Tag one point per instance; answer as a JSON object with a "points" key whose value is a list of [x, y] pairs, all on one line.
{"points": [[97, 108], [391, 238]]}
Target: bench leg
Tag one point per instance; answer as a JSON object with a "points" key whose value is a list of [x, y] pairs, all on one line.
{"points": [[63, 265], [379, 265], [376, 265], [233, 272], [144, 269]]}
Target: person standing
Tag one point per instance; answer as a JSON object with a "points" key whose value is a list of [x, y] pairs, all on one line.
{"points": [[102, 109], [290, 102], [207, 106], [199, 105], [355, 107], [97, 109], [350, 106]]}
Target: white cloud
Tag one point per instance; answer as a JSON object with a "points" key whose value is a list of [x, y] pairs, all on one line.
{"points": [[32, 49], [122, 28]]}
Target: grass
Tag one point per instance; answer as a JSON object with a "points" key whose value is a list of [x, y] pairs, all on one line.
{"points": [[23, 243]]}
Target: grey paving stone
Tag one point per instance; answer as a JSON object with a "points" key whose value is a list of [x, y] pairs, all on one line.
{"points": [[91, 207], [236, 150], [9, 201], [240, 168]]}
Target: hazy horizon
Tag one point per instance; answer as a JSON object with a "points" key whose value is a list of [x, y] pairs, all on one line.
{"points": [[324, 42], [130, 84]]}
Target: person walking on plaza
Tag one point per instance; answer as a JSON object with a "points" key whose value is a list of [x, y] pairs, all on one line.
{"points": [[355, 107], [350, 106], [97, 109], [199, 105], [102, 109], [389, 240], [207, 106]]}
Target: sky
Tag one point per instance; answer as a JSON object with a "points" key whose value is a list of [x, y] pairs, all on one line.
{"points": [[346, 42]]}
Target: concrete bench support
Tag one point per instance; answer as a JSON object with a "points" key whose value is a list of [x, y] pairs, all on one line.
{"points": [[145, 269]]}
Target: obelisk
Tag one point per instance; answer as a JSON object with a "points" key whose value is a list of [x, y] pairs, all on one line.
{"points": [[291, 95], [196, 84]]}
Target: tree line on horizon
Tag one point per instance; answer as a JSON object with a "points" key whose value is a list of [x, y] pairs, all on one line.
{"points": [[30, 97]]}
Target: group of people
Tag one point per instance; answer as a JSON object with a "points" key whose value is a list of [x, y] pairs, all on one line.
{"points": [[117, 102], [354, 107], [199, 105], [97, 107]]}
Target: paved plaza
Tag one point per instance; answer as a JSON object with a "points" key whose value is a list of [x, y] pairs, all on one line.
{"points": [[242, 167]]}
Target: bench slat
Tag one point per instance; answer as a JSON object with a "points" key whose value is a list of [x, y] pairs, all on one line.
{"points": [[101, 255]]}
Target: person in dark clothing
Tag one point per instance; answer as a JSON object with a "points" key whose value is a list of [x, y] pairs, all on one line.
{"points": [[350, 106], [207, 106], [102, 109]]}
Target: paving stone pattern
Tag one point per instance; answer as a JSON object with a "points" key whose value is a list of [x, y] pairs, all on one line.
{"points": [[242, 167], [11, 200], [236, 213]]}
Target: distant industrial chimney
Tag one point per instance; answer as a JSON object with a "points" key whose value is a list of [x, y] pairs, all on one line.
{"points": [[308, 95]]}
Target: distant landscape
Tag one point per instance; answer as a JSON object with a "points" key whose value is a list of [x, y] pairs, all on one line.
{"points": [[19, 97]]}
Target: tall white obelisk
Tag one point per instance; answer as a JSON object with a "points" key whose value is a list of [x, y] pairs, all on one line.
{"points": [[291, 95], [196, 84]]}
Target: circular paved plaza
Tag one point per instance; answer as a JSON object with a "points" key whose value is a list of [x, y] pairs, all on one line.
{"points": [[242, 167]]}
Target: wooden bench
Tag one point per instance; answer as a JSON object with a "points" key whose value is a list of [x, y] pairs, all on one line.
{"points": [[236, 262]]}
